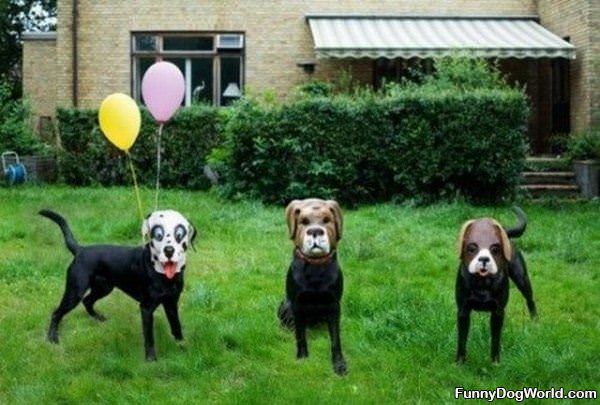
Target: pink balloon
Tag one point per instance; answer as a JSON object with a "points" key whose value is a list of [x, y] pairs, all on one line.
{"points": [[163, 89]]}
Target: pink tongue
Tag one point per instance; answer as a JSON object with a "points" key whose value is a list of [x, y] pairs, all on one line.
{"points": [[170, 268]]}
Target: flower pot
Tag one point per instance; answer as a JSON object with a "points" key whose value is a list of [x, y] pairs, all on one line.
{"points": [[587, 175]]}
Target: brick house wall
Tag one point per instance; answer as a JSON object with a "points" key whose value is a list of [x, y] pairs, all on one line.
{"points": [[277, 37], [39, 73], [580, 21], [276, 34]]}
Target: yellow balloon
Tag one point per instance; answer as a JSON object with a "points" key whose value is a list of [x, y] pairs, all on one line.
{"points": [[120, 120]]}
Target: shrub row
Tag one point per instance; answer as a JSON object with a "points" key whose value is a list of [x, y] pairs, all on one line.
{"points": [[458, 132], [88, 158], [416, 144]]}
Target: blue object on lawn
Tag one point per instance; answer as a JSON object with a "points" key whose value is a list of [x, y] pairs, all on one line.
{"points": [[15, 173]]}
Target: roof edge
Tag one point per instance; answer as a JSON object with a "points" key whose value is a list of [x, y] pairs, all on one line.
{"points": [[535, 17], [39, 36]]}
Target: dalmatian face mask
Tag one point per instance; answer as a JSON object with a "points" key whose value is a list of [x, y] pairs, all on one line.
{"points": [[170, 235]]}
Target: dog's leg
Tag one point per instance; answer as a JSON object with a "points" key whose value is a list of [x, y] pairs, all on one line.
{"points": [[100, 288], [518, 274], [74, 290], [148, 329], [496, 321], [302, 348], [339, 364], [285, 314], [464, 321], [173, 317]]}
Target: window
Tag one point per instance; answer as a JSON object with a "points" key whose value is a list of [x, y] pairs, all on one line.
{"points": [[397, 70], [212, 64]]}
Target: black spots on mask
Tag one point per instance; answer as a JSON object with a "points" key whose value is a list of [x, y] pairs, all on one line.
{"points": [[184, 246]]}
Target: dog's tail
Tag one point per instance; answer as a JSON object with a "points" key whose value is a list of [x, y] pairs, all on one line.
{"points": [[64, 227], [521, 226]]}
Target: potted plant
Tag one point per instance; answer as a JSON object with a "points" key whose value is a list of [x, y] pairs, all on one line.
{"points": [[584, 152]]}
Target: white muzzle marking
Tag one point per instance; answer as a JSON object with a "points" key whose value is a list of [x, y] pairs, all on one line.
{"points": [[168, 230], [316, 245], [481, 267]]}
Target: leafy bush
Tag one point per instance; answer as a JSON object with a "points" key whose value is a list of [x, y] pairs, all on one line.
{"points": [[315, 88], [458, 133], [584, 146], [465, 73], [88, 157], [453, 135], [416, 145], [15, 128]]}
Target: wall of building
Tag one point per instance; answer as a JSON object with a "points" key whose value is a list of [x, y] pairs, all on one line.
{"points": [[277, 36], [39, 76], [579, 20]]}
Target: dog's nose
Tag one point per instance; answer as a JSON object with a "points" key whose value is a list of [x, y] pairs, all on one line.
{"points": [[169, 251], [484, 260], [315, 232]]}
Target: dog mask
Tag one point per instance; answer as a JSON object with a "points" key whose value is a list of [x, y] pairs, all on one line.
{"points": [[484, 247], [314, 225], [169, 233]]}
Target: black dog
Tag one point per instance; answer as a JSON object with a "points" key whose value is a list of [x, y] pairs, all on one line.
{"points": [[314, 283], [151, 274], [487, 261]]}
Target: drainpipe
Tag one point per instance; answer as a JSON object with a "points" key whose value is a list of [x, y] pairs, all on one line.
{"points": [[75, 66]]}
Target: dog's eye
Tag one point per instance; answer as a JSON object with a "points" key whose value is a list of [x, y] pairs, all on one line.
{"points": [[157, 232], [180, 233], [305, 221], [495, 249], [326, 220], [471, 248]]}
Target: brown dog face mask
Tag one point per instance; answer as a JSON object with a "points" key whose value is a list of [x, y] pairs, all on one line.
{"points": [[314, 225], [484, 247]]}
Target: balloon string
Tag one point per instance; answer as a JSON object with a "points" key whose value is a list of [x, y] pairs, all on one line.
{"points": [[137, 191], [158, 155]]}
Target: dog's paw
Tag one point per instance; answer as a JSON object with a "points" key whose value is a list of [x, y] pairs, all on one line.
{"points": [[181, 344], [99, 317], [301, 354], [151, 355], [496, 360], [52, 337], [340, 367], [460, 359]]}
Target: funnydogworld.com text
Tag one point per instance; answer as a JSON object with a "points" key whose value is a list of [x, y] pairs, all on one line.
{"points": [[525, 393]]}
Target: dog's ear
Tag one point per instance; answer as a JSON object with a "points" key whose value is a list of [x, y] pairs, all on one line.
{"points": [[291, 216], [193, 233], [506, 245], [461, 236], [145, 230], [337, 217]]}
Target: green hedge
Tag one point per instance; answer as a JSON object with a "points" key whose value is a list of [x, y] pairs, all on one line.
{"points": [[418, 143], [88, 158], [16, 133], [456, 133]]}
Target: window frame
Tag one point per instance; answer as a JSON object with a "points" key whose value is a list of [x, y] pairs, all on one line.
{"points": [[160, 54]]}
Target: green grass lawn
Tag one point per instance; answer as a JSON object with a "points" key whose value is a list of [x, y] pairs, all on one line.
{"points": [[398, 323]]}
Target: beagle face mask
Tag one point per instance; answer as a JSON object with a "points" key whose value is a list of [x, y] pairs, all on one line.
{"points": [[314, 225], [484, 247], [170, 235]]}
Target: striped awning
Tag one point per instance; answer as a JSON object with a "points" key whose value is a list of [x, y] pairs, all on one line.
{"points": [[364, 36]]}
